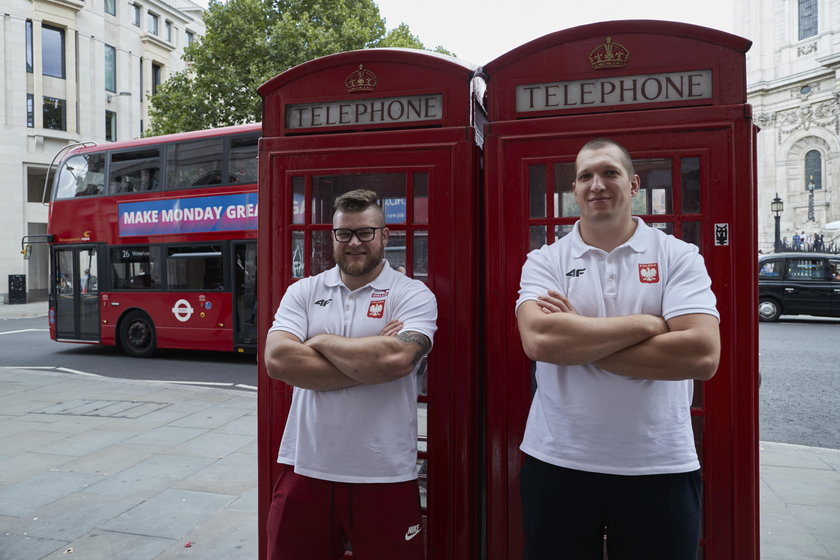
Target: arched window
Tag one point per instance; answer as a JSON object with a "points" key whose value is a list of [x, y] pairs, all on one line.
{"points": [[813, 169], [807, 18]]}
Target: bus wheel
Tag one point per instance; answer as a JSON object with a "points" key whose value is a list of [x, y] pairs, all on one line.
{"points": [[137, 335]]}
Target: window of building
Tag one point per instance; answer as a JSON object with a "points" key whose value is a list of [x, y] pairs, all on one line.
{"points": [[110, 126], [30, 110], [168, 27], [111, 7], [55, 113], [110, 68], [156, 77], [808, 21], [52, 44], [135, 14], [813, 169], [29, 45], [190, 37], [37, 183], [152, 23]]}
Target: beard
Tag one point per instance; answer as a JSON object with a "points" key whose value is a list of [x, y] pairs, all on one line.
{"points": [[357, 266]]}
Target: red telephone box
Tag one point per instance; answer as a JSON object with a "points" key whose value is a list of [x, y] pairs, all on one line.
{"points": [[675, 96], [399, 122]]}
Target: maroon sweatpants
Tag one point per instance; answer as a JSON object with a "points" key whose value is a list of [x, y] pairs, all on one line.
{"points": [[313, 519]]}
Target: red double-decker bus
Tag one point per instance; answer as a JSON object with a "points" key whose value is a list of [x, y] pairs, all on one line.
{"points": [[154, 243]]}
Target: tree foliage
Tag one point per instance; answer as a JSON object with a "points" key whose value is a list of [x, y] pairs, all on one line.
{"points": [[247, 42]]}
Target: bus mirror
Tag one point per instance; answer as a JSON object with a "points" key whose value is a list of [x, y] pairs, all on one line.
{"points": [[26, 252]]}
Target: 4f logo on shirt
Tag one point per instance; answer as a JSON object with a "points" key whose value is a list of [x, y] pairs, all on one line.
{"points": [[575, 272], [323, 302], [376, 309], [649, 273]]}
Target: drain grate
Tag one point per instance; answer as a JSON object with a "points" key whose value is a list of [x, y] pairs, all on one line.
{"points": [[105, 409]]}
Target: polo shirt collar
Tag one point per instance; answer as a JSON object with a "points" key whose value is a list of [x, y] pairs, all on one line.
{"points": [[381, 282], [638, 242]]}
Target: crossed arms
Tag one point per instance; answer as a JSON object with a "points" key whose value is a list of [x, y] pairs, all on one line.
{"points": [[326, 362], [641, 346]]}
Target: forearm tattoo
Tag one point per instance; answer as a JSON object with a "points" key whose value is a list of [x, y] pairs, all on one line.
{"points": [[420, 340]]}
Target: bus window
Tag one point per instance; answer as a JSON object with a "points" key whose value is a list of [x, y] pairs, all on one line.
{"points": [[135, 268], [243, 159], [81, 175], [135, 171], [195, 164], [195, 268]]}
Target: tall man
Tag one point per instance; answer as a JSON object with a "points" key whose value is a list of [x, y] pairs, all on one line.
{"points": [[349, 340], [620, 319]]}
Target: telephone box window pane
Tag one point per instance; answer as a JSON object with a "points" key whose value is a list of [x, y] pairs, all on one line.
{"points": [[697, 401], [422, 427], [326, 188], [697, 424], [394, 208], [423, 480], [691, 233], [537, 237], [297, 254], [536, 179], [322, 252], [135, 268], [421, 198], [423, 380], [195, 164], [81, 175], [562, 230], [421, 256], [244, 165], [395, 251], [298, 199], [564, 196], [135, 171], [667, 227], [690, 178], [655, 194]]}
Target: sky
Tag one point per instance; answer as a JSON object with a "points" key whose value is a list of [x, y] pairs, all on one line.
{"points": [[478, 31]]}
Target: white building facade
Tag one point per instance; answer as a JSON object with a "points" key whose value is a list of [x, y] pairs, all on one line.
{"points": [[74, 71], [793, 84]]}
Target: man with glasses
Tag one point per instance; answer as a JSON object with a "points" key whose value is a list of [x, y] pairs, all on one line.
{"points": [[350, 341], [620, 319]]}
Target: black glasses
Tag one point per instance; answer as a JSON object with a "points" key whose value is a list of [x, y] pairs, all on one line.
{"points": [[363, 234]]}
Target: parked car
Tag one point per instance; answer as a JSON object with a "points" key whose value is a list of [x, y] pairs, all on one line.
{"points": [[798, 284]]}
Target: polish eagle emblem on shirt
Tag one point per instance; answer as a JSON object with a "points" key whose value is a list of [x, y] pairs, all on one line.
{"points": [[376, 309], [649, 273]]}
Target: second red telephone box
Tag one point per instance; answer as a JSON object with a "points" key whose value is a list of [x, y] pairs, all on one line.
{"points": [[400, 123], [675, 96]]}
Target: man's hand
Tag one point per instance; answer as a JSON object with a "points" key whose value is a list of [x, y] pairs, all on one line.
{"points": [[554, 302], [392, 328]]}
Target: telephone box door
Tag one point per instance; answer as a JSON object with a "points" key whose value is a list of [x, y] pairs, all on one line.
{"points": [[694, 185], [424, 180]]}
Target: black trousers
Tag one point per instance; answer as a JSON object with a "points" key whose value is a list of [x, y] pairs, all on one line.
{"points": [[566, 514]]}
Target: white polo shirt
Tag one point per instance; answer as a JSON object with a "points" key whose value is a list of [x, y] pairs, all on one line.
{"points": [[365, 433], [585, 418]]}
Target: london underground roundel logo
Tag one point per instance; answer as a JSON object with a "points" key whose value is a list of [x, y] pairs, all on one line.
{"points": [[182, 310]]}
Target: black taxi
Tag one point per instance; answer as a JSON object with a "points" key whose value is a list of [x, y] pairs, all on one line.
{"points": [[798, 283]]}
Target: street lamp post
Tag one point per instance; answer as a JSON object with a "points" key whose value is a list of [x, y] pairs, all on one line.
{"points": [[811, 187], [777, 206]]}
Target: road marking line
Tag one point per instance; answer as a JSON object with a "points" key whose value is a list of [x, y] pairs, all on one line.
{"points": [[87, 374], [25, 330]]}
